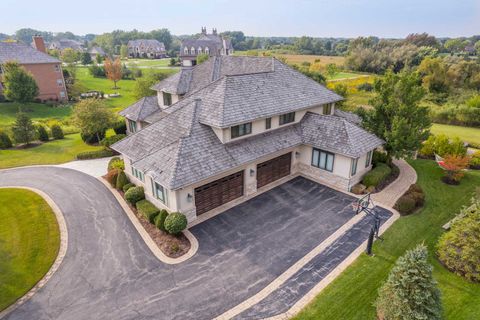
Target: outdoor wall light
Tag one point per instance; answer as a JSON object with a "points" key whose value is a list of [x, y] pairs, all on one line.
{"points": [[189, 197], [297, 154], [252, 172]]}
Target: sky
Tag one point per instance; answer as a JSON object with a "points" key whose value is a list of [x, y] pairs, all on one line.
{"points": [[321, 18]]}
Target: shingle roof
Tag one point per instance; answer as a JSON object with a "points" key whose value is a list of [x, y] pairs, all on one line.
{"points": [[212, 41], [148, 44], [352, 117], [141, 109], [178, 150], [23, 54], [63, 44], [96, 50]]}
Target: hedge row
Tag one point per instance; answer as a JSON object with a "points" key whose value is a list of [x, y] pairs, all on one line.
{"points": [[377, 175], [95, 154]]}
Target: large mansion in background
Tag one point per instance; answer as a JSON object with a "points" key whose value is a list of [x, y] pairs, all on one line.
{"points": [[211, 44], [227, 128], [146, 48], [46, 70]]}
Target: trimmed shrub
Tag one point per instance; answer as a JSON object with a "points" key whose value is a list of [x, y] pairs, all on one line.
{"points": [[57, 132], [42, 133], [107, 142], [147, 209], [376, 175], [135, 194], [116, 163], [120, 127], [160, 219], [405, 204], [459, 248], [474, 160], [442, 145], [122, 180], [94, 154], [111, 177], [175, 223], [92, 138], [379, 157], [410, 291], [5, 141], [127, 186]]}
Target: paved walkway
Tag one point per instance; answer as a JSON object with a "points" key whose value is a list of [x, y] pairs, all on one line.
{"points": [[95, 167], [389, 196]]}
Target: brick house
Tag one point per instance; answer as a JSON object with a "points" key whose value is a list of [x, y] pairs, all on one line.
{"points": [[46, 70], [146, 48]]}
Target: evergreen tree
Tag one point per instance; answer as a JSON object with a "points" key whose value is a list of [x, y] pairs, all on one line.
{"points": [[20, 86], [23, 129], [42, 133], [410, 292]]}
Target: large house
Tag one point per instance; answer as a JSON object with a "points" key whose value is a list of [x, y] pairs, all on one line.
{"points": [[146, 48], [230, 126], [46, 70], [211, 44], [63, 44]]}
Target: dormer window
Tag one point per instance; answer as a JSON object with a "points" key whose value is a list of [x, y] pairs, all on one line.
{"points": [[167, 99], [199, 50], [185, 50], [287, 118], [241, 130], [327, 109], [207, 51], [192, 51]]}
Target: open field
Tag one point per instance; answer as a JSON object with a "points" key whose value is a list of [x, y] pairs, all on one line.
{"points": [[298, 58], [352, 294], [52, 152], [468, 134], [29, 242]]}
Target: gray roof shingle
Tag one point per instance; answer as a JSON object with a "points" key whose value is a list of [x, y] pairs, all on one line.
{"points": [[350, 116], [147, 44], [23, 54], [141, 109]]}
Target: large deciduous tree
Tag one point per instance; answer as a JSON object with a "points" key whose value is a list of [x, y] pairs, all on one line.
{"points": [[410, 292], [93, 118], [396, 116], [19, 85], [113, 70], [23, 129]]}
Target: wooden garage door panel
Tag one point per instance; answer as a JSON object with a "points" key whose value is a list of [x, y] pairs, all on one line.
{"points": [[218, 192], [273, 169]]}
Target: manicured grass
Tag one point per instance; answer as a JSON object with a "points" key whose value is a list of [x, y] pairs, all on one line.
{"points": [[53, 152], [148, 62], [29, 242], [36, 111], [352, 294], [467, 134]]}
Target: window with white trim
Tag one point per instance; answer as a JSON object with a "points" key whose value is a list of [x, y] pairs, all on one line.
{"points": [[159, 191], [323, 159], [137, 173], [369, 159], [327, 109], [192, 51], [199, 50], [207, 50], [60, 82], [353, 170], [185, 50], [132, 125]]}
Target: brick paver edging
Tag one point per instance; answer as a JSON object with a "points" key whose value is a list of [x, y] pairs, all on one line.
{"points": [[146, 237], [61, 251]]}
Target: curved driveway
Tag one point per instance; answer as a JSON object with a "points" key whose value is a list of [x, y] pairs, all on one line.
{"points": [[109, 273]]}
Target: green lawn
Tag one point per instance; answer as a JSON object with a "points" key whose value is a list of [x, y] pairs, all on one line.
{"points": [[467, 134], [53, 152], [29, 242], [36, 111], [148, 62], [352, 294]]}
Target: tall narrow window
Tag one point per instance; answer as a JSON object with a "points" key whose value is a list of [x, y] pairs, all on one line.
{"points": [[167, 99], [268, 123], [159, 191], [369, 159], [327, 109], [241, 130], [287, 118], [354, 167], [185, 50], [323, 159], [132, 126]]}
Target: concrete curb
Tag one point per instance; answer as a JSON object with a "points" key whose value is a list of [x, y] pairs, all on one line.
{"points": [[146, 237], [61, 251]]}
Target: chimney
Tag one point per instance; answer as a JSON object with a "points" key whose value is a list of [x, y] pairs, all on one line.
{"points": [[204, 30], [214, 31], [39, 44]]}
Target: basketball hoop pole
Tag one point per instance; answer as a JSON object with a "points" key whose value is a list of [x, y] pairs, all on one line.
{"points": [[363, 204]]}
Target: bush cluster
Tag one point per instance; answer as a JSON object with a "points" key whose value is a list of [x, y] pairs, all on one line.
{"points": [[160, 219], [122, 180], [377, 175], [147, 209], [5, 141], [116, 163], [459, 115], [120, 127], [111, 177], [442, 145], [42, 133], [57, 132], [92, 138], [475, 161], [412, 199], [107, 142], [175, 223], [127, 186], [379, 157], [134, 194], [94, 154]]}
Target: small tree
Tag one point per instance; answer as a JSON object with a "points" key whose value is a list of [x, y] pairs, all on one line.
{"points": [[143, 85], [92, 117], [19, 85], [99, 58], [86, 58], [23, 129], [410, 292], [332, 69], [454, 166], [70, 57], [202, 57], [124, 51], [113, 70]]}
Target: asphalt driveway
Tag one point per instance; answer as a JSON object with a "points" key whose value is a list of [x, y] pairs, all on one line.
{"points": [[108, 271]]}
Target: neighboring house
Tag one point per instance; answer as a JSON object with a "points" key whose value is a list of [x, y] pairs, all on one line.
{"points": [[230, 126], [146, 48], [63, 44], [46, 69], [211, 44], [96, 51]]}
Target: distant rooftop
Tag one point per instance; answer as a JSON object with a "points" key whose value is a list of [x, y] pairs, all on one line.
{"points": [[23, 54]]}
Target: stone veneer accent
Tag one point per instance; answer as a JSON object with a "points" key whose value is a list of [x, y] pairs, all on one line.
{"points": [[324, 176]]}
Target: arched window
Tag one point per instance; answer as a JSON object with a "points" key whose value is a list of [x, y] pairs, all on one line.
{"points": [[207, 51], [192, 51], [185, 50], [199, 50]]}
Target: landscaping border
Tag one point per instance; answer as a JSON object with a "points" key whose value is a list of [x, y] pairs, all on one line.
{"points": [[62, 226], [146, 237]]}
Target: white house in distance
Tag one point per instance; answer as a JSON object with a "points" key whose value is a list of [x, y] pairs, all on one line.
{"points": [[230, 126]]}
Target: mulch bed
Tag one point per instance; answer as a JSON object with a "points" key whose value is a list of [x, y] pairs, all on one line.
{"points": [[171, 245]]}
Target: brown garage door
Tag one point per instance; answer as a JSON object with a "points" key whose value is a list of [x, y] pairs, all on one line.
{"points": [[218, 192], [274, 169]]}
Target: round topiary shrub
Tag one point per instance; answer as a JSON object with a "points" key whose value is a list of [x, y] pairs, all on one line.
{"points": [[135, 194], [175, 223], [111, 177], [406, 204], [122, 180], [5, 141], [127, 186], [160, 219], [116, 163], [42, 133], [57, 132]]}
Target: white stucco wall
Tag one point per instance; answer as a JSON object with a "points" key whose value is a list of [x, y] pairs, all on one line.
{"points": [[175, 98]]}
